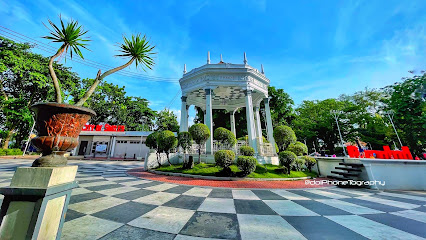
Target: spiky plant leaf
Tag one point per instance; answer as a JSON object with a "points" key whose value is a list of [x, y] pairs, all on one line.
{"points": [[139, 49], [71, 35]]}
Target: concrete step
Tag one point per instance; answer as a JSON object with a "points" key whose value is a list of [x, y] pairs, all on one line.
{"points": [[355, 165], [345, 174], [349, 169]]}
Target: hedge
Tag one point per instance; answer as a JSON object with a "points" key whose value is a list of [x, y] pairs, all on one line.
{"points": [[10, 151]]}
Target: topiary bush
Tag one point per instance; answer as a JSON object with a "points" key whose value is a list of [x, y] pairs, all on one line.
{"points": [[298, 148], [247, 151], [225, 137], [298, 164], [200, 133], [286, 159], [284, 136], [151, 142], [309, 162], [166, 141], [247, 164], [185, 142], [224, 159]]}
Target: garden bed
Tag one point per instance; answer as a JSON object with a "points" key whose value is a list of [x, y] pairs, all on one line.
{"points": [[205, 169]]}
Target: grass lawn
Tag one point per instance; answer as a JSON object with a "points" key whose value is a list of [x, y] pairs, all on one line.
{"points": [[207, 169]]}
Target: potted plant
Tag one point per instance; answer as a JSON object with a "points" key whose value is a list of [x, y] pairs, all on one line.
{"points": [[59, 124]]}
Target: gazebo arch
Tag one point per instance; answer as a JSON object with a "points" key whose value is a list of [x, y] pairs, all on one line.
{"points": [[229, 86]]}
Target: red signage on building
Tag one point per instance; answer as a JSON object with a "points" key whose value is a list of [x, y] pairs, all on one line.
{"points": [[105, 128]]}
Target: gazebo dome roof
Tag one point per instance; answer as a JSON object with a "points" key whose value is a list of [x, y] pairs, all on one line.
{"points": [[228, 81]]}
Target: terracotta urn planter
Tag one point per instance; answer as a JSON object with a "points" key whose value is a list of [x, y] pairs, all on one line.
{"points": [[58, 127]]}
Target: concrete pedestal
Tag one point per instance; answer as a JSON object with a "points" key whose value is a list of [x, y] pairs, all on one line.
{"points": [[36, 202]]}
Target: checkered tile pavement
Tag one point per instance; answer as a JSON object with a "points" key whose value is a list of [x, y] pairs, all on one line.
{"points": [[109, 204]]}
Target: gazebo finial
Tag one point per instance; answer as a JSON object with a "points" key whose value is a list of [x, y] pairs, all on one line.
{"points": [[245, 58], [184, 68], [261, 69], [208, 57]]}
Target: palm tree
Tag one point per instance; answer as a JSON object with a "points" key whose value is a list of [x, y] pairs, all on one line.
{"points": [[137, 48], [71, 37]]}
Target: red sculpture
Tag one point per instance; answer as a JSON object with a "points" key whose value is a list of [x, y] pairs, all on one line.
{"points": [[405, 153]]}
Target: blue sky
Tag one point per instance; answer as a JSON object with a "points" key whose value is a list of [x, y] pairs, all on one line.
{"points": [[311, 49]]}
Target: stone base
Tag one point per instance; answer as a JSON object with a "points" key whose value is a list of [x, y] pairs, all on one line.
{"points": [[55, 159], [36, 202]]}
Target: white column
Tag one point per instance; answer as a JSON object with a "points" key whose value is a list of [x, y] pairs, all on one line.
{"points": [[250, 121], [209, 120], [258, 125], [187, 118], [232, 115], [183, 115], [269, 126]]}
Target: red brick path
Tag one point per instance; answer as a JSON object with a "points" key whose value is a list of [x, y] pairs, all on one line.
{"points": [[138, 172]]}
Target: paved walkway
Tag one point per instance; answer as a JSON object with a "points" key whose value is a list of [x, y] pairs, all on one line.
{"points": [[109, 204], [138, 172]]}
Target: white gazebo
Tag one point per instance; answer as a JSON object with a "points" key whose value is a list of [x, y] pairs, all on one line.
{"points": [[229, 86]]}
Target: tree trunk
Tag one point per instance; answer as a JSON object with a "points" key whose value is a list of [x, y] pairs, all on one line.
{"points": [[53, 74], [199, 153], [168, 160], [7, 139], [98, 79], [158, 158]]}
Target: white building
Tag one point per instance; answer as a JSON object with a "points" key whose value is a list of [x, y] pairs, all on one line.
{"points": [[112, 144]]}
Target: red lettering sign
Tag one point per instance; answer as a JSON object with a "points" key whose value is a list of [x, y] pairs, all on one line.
{"points": [[104, 128]]}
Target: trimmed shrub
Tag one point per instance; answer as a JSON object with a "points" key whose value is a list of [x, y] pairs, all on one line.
{"points": [[200, 133], [224, 158], [284, 136], [309, 162], [247, 151], [286, 159], [225, 137], [298, 148], [166, 141], [185, 142], [151, 142], [247, 164], [261, 168], [2, 152], [298, 164]]}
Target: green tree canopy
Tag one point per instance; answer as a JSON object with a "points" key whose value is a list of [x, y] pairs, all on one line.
{"points": [[167, 120]]}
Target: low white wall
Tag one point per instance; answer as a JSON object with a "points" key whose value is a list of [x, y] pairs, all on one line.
{"points": [[325, 165], [152, 162], [397, 174]]}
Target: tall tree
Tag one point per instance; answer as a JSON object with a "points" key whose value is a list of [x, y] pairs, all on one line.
{"points": [[112, 106], [406, 100], [167, 120], [25, 80], [281, 105]]}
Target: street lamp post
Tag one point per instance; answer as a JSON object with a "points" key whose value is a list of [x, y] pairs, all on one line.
{"points": [[335, 115], [390, 116]]}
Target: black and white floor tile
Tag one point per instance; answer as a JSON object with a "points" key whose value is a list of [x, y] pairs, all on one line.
{"points": [[109, 204]]}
